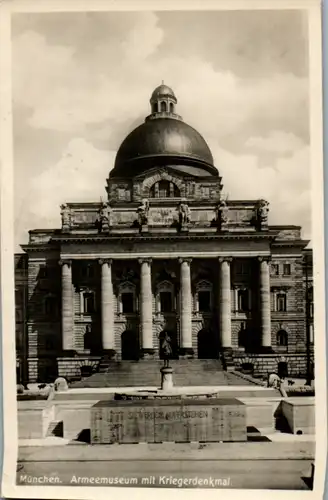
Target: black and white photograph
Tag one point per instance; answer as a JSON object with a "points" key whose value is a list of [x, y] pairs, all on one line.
{"points": [[165, 259]]}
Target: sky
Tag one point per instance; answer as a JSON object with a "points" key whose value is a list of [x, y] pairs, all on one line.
{"points": [[82, 82]]}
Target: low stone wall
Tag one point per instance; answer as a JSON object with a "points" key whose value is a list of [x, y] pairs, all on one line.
{"points": [[300, 415], [34, 418], [268, 363]]}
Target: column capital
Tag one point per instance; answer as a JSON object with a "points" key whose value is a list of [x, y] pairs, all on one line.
{"points": [[147, 260], [105, 261], [225, 259], [62, 262], [185, 259], [264, 258]]}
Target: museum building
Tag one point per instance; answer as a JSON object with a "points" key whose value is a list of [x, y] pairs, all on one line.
{"points": [[166, 253]]}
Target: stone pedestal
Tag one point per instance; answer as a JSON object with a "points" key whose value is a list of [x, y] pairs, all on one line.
{"points": [[158, 421], [167, 378]]}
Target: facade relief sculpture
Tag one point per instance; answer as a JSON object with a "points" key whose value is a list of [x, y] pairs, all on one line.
{"points": [[223, 214], [263, 213], [105, 217], [143, 213], [66, 217], [184, 213]]}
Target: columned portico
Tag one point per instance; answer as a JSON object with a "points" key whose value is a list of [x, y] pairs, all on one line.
{"points": [[185, 307], [265, 305], [67, 305], [107, 309], [146, 307], [225, 302]]}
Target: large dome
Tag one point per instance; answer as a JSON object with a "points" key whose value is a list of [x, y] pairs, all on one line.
{"points": [[164, 139]]}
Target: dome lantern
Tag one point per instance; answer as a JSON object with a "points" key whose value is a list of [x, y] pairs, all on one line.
{"points": [[163, 102]]}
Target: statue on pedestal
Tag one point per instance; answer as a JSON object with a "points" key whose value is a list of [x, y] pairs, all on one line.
{"points": [[263, 212], [143, 211], [105, 217], [166, 347], [184, 213], [223, 213], [66, 216]]}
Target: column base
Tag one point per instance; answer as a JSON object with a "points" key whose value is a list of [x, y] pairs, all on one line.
{"points": [[147, 353], [186, 352]]}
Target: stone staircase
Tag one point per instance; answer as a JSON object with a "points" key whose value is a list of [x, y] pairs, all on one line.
{"points": [[146, 373], [55, 428]]}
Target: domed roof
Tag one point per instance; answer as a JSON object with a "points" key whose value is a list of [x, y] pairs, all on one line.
{"points": [[161, 91], [164, 139]]}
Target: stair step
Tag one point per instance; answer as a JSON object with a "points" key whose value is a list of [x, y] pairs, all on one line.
{"points": [[55, 428]]}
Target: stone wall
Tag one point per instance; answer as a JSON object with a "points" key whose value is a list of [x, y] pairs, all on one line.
{"points": [[264, 364]]}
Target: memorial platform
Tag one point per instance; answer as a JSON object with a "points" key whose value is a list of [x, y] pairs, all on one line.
{"points": [[160, 420]]}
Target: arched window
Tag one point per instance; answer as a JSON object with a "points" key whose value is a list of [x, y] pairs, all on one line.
{"points": [[171, 107], [163, 106], [155, 107], [282, 338], [164, 189]]}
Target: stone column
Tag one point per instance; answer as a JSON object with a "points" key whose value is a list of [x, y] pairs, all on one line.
{"points": [[265, 303], [185, 308], [225, 302], [146, 308], [107, 306], [67, 311]]}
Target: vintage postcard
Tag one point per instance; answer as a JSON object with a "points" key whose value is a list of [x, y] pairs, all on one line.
{"points": [[162, 257]]}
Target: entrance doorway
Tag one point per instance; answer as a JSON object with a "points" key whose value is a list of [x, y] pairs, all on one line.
{"points": [[207, 344], [130, 345]]}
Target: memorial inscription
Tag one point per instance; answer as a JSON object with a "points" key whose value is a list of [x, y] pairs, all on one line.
{"points": [[156, 421]]}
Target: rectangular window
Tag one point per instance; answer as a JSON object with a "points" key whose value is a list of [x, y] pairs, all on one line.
{"points": [[311, 307], [287, 270], [275, 269], [243, 300], [127, 302], [204, 301], [87, 271], [281, 302], [50, 306], [242, 268], [311, 334], [89, 302], [166, 301], [43, 272]]}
